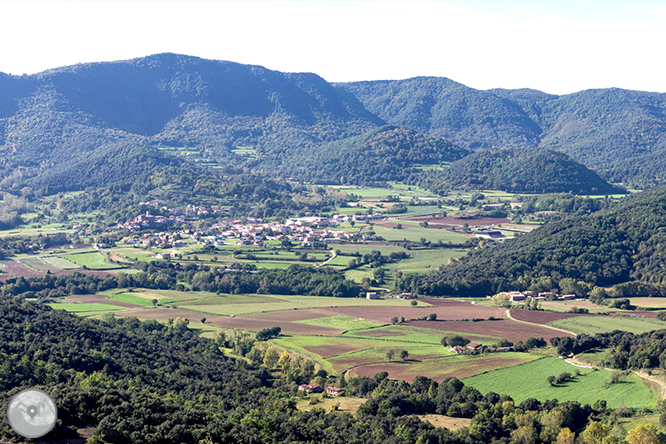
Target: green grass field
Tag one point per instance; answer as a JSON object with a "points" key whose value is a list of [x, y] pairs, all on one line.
{"points": [[425, 260], [341, 322], [407, 333], [415, 233], [649, 302], [59, 262], [93, 260], [83, 307], [529, 381], [603, 324], [139, 299]]}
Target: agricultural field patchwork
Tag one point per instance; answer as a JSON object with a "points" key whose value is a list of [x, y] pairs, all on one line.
{"points": [[460, 366], [341, 322]]}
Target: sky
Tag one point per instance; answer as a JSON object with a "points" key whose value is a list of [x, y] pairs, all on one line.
{"points": [[559, 47]]}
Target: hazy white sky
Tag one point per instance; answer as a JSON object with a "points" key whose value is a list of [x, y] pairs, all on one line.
{"points": [[556, 46]]}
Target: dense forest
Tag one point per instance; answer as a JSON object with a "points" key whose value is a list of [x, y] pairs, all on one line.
{"points": [[81, 125], [518, 170], [165, 275], [382, 155], [624, 242], [609, 130], [95, 124], [147, 382], [627, 350]]}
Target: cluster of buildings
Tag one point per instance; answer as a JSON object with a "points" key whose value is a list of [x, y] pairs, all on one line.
{"points": [[249, 231], [256, 234], [158, 240], [518, 296], [313, 387]]}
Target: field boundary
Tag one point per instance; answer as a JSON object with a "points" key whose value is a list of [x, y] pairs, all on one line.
{"points": [[508, 314]]}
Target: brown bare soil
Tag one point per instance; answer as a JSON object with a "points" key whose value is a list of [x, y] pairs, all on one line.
{"points": [[440, 368], [508, 329], [13, 269], [454, 221], [290, 315], [542, 317], [448, 309], [327, 351]]}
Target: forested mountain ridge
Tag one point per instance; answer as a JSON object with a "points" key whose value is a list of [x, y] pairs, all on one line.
{"points": [[389, 153], [444, 108], [58, 118], [626, 242], [526, 170], [608, 130], [53, 122]]}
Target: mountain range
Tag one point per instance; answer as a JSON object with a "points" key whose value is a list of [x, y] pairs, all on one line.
{"points": [[123, 117]]}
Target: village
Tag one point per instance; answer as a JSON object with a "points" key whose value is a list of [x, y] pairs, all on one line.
{"points": [[306, 231]]}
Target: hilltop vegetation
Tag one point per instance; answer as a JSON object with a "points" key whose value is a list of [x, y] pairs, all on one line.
{"points": [[386, 154], [96, 124], [519, 170], [610, 130], [622, 243], [102, 121]]}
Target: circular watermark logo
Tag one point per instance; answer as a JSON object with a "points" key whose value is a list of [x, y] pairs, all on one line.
{"points": [[32, 413]]}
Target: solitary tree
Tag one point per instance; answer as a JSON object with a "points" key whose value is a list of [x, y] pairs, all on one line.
{"points": [[415, 303], [390, 355], [404, 354]]}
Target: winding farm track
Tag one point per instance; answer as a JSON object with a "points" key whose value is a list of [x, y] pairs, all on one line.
{"points": [[642, 375], [333, 256], [659, 382], [508, 315]]}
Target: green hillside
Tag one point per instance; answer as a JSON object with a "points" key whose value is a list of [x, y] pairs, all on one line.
{"points": [[523, 170], [386, 154], [54, 124], [612, 131], [622, 243]]}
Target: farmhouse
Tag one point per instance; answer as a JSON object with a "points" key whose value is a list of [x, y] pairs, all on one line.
{"points": [[567, 297], [475, 347], [456, 349], [311, 388], [372, 295], [333, 391], [164, 255], [515, 296], [490, 234]]}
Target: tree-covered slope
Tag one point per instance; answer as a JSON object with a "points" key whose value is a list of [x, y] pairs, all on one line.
{"points": [[381, 155], [624, 242], [59, 119], [608, 130], [527, 170], [442, 107]]}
